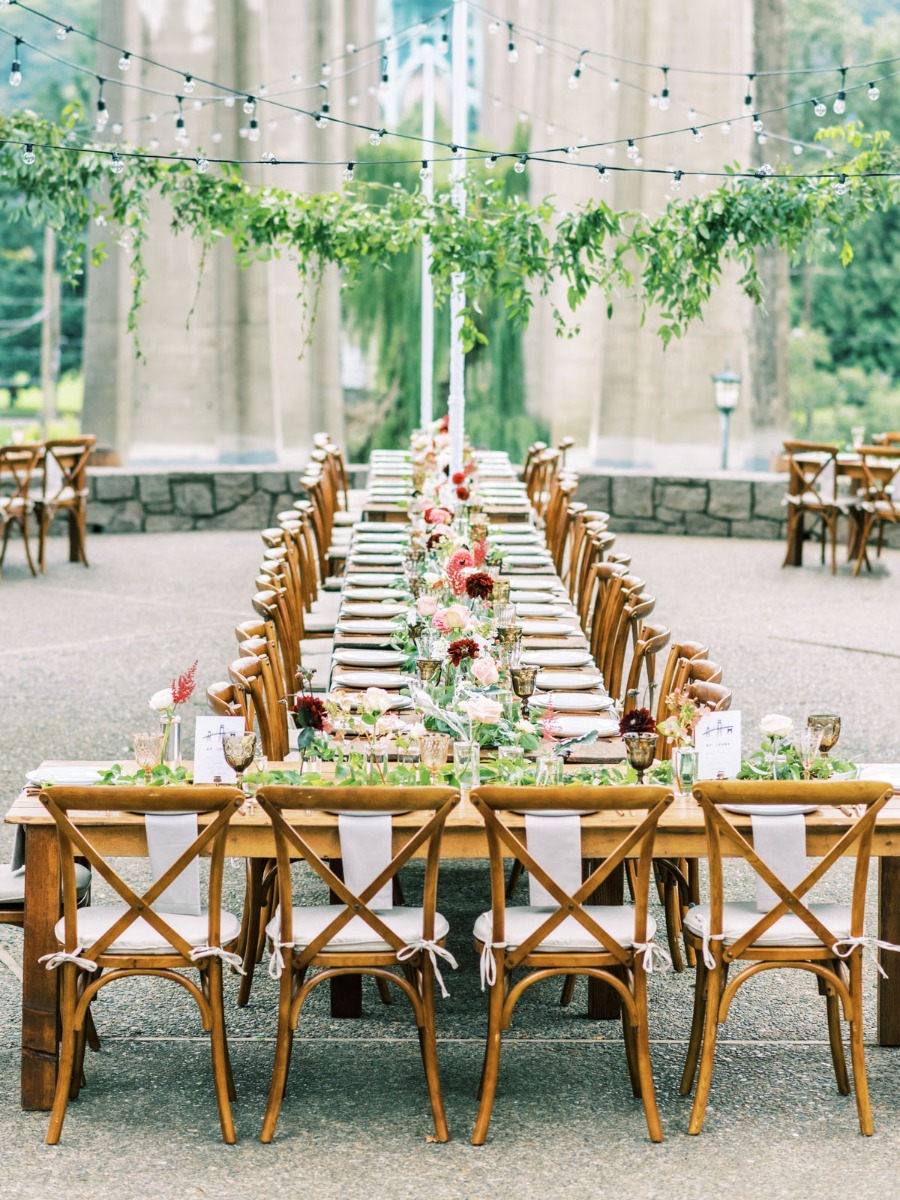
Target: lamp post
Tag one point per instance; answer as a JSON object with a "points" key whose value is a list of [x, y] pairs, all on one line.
{"points": [[728, 393]]}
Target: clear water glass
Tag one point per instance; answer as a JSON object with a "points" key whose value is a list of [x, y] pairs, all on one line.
{"points": [[467, 764]]}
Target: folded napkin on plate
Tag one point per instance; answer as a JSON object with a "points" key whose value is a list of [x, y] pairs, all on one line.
{"points": [[168, 836], [780, 842], [365, 852], [554, 842]]}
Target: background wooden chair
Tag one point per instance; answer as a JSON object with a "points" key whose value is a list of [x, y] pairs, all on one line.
{"points": [[347, 937], [876, 507], [102, 944], [17, 467], [64, 490], [608, 943], [826, 940], [812, 492]]}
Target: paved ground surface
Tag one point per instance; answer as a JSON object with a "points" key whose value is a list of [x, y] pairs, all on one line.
{"points": [[82, 651]]}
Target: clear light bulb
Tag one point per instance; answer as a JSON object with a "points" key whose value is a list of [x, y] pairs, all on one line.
{"points": [[216, 136], [572, 152], [62, 33], [632, 150], [494, 27], [840, 103], [153, 144], [152, 117], [758, 124], [102, 115], [326, 69], [748, 104], [15, 73], [725, 128], [424, 171], [202, 166], [798, 149], [347, 174], [675, 184], [603, 173], [692, 114], [698, 134], [116, 165], [117, 127], [512, 54], [490, 162], [519, 167], [539, 47], [249, 106], [574, 78], [188, 86], [321, 120], [819, 108], [664, 100], [253, 130], [762, 138], [841, 186], [229, 101], [125, 62], [653, 100], [873, 93], [28, 157], [375, 137], [614, 85], [353, 100], [181, 133]]}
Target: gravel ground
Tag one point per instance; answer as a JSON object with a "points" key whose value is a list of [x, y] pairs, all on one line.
{"points": [[90, 646]]}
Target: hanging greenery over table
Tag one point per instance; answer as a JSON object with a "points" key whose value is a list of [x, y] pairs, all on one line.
{"points": [[670, 262]]}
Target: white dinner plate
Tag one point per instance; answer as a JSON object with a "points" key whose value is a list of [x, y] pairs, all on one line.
{"points": [[565, 726], [367, 679], [388, 527], [526, 581], [375, 560], [889, 772], [573, 701], [556, 658], [387, 609], [381, 579], [549, 629], [565, 681], [381, 538], [397, 704], [772, 810], [539, 565], [74, 776], [389, 550], [536, 610], [373, 593], [369, 658], [373, 626]]}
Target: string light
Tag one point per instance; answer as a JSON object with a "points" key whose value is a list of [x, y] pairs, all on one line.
{"points": [[181, 133], [491, 162], [725, 128], [102, 119], [322, 116], [63, 32], [653, 100], [873, 93], [512, 54], [575, 77], [818, 107], [125, 61], [748, 97], [632, 150], [116, 165], [326, 69], [519, 167], [202, 165], [675, 184], [445, 35], [840, 185], [425, 171], [188, 86], [798, 149], [539, 47], [250, 106], [614, 84], [698, 134], [375, 136], [840, 102], [664, 94], [758, 125], [15, 71], [385, 80], [603, 173], [348, 172], [494, 27], [253, 130], [28, 158]]}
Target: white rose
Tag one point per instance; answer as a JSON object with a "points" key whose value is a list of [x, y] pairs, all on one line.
{"points": [[415, 731], [488, 712], [375, 700], [163, 700], [776, 725], [524, 726]]}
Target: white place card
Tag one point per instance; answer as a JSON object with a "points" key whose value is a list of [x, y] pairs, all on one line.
{"points": [[209, 758], [718, 741]]}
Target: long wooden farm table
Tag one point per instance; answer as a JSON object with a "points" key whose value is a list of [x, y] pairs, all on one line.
{"points": [[680, 834]]}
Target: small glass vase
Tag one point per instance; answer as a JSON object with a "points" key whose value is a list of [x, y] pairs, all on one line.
{"points": [[684, 769], [170, 752]]}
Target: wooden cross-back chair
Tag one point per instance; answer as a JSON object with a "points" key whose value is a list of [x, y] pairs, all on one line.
{"points": [[294, 527], [812, 491], [271, 605], [651, 641], [562, 490], [593, 590], [64, 490], [530, 462], [715, 696], [696, 670], [322, 939], [596, 543], [17, 466], [678, 651], [603, 942], [585, 521], [103, 944], [880, 466], [890, 438], [259, 636], [540, 483], [226, 700], [255, 678], [338, 465], [825, 940]]}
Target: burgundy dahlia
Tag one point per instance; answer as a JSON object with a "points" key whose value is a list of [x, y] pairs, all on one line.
{"points": [[479, 586], [460, 649], [639, 720], [309, 711]]}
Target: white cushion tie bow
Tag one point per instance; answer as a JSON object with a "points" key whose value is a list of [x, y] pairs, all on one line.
{"points": [[58, 957], [434, 951], [227, 957]]}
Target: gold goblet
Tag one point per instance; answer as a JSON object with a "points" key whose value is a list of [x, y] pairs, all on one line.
{"points": [[500, 594], [147, 751], [428, 668], [434, 749], [640, 750], [239, 750], [523, 684], [830, 725], [416, 585]]}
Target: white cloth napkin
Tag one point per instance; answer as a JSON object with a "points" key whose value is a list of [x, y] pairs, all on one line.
{"points": [[781, 843], [554, 842], [168, 836], [366, 851]]}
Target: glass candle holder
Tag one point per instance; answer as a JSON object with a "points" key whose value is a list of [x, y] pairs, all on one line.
{"points": [[434, 748], [467, 764], [147, 749]]}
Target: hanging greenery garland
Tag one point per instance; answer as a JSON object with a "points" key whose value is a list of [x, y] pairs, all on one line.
{"points": [[670, 262]]}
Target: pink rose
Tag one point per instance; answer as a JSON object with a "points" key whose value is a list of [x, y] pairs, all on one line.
{"points": [[487, 712], [484, 669], [426, 606], [454, 617]]}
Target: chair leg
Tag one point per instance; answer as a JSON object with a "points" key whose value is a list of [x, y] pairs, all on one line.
{"points": [[568, 991], [43, 523], [24, 525], [491, 1069], [644, 1065], [715, 983], [857, 1049], [282, 1057], [701, 983], [66, 1055], [93, 1037], [514, 876], [673, 923], [832, 1008], [221, 1066], [631, 1057], [385, 995], [250, 927], [429, 1054]]}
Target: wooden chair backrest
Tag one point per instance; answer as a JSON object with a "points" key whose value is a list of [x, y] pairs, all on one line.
{"points": [[218, 804], [721, 832], [714, 696], [652, 639], [261, 637], [880, 466], [696, 670], [424, 811], [812, 471], [271, 604], [65, 466], [677, 652], [500, 808], [226, 700], [636, 610], [17, 464], [256, 679]]}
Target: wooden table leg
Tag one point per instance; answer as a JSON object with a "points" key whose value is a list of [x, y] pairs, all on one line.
{"points": [[346, 990], [603, 1001], [40, 1003], [889, 931]]}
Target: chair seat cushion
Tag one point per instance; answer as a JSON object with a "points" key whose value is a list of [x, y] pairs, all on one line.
{"points": [[739, 916], [142, 938], [12, 887], [310, 920], [522, 920], [345, 518], [314, 624]]}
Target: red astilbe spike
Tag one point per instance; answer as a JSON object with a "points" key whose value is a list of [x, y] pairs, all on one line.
{"points": [[183, 686]]}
